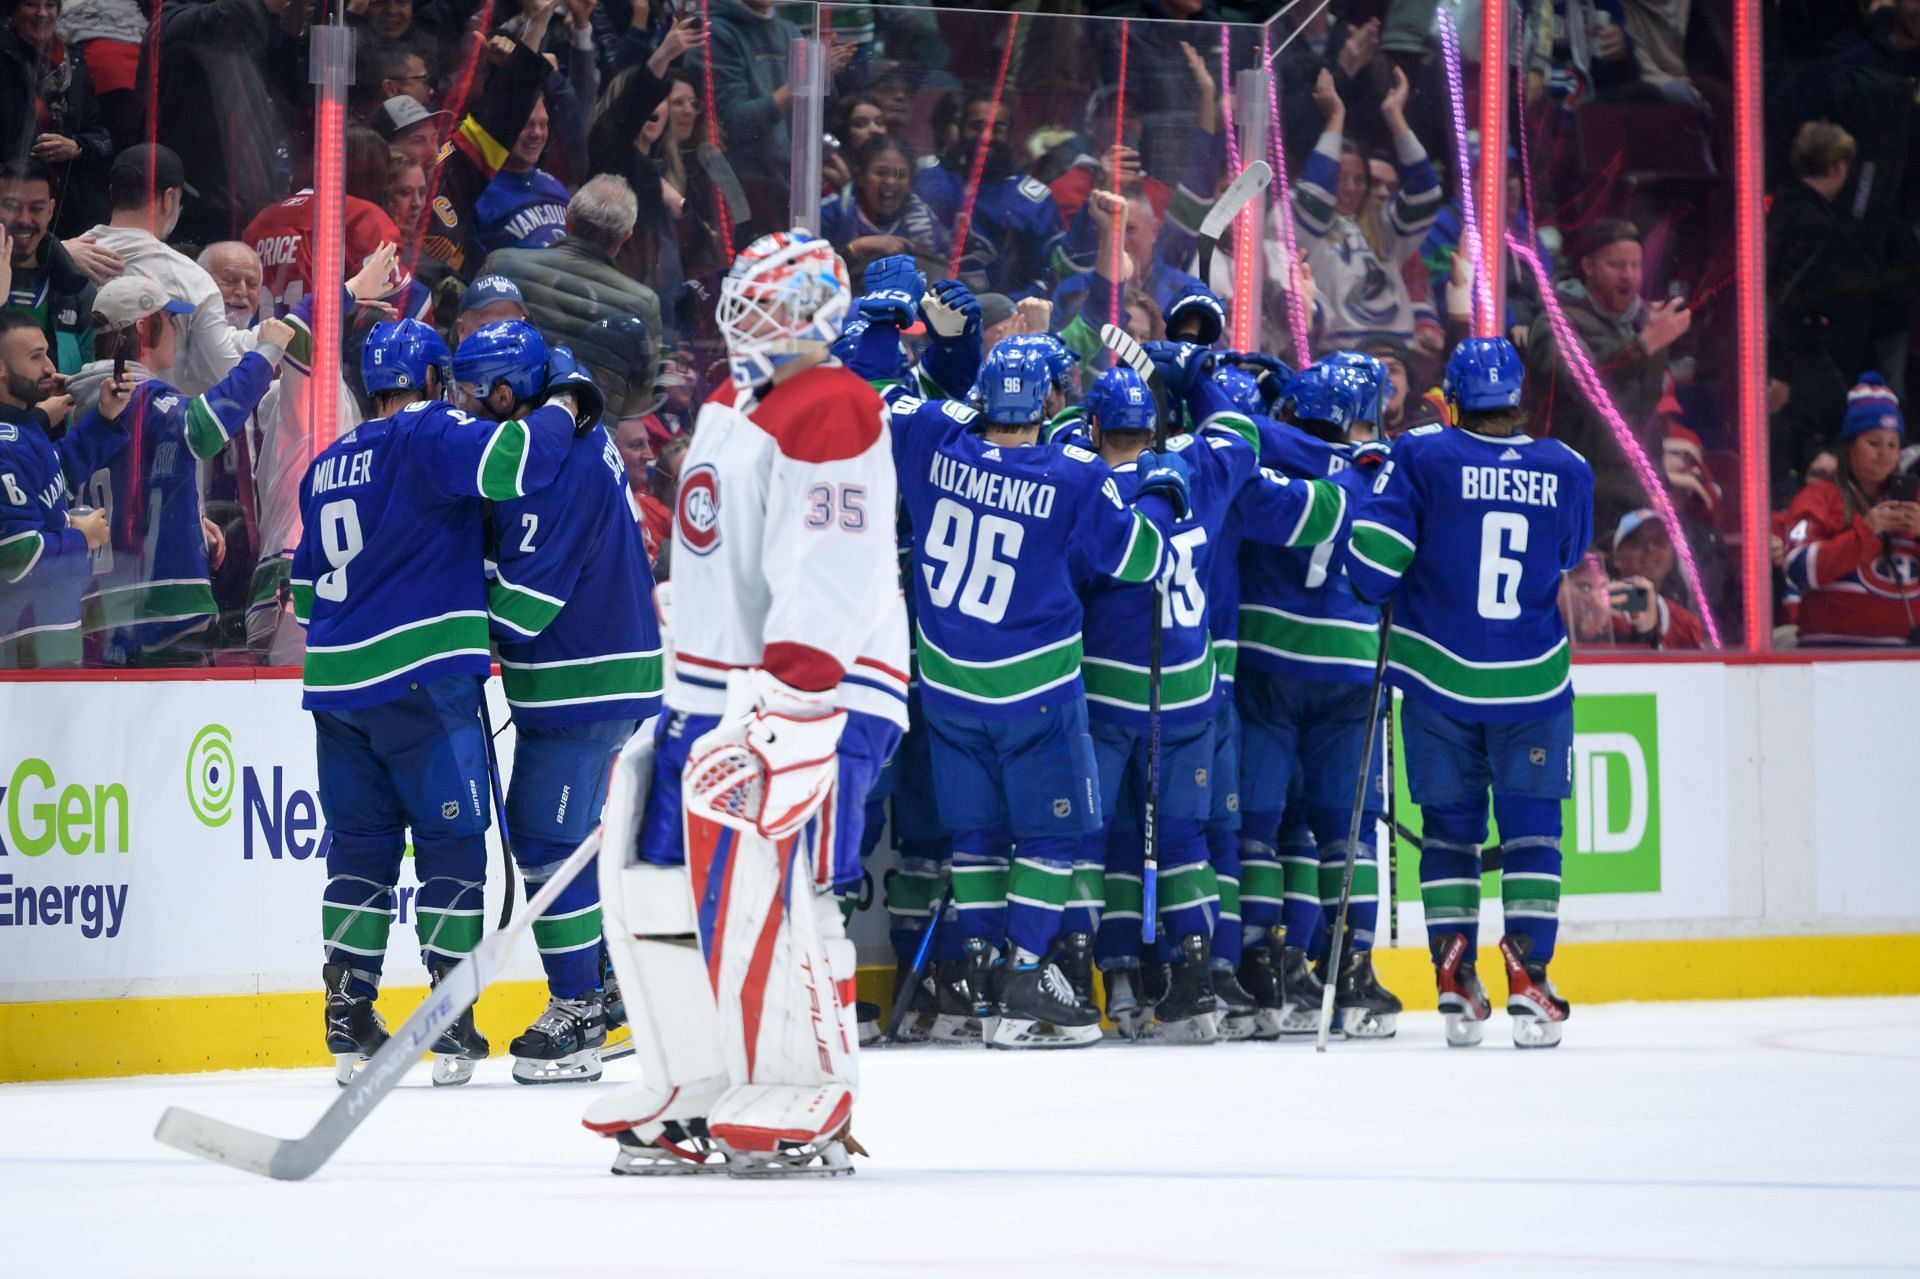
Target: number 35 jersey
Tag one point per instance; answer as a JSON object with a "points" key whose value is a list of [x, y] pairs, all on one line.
{"points": [[388, 575], [1469, 534], [783, 547], [1003, 535]]}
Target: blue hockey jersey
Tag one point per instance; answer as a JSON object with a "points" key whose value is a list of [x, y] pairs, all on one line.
{"points": [[521, 211], [44, 564], [1004, 534], [387, 576], [152, 584], [571, 596], [1015, 230], [1469, 534]]}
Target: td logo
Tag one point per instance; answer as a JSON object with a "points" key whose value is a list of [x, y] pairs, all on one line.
{"points": [[1613, 827], [278, 820]]}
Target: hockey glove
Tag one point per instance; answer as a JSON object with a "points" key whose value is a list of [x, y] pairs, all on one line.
{"points": [[1199, 313], [1368, 458], [771, 761], [894, 286], [1270, 374], [1166, 474], [566, 378], [951, 310], [1181, 364]]}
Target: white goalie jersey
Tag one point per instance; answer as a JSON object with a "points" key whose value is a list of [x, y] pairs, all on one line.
{"points": [[784, 549]]}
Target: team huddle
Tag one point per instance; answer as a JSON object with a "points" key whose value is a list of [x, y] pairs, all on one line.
{"points": [[1112, 658]]}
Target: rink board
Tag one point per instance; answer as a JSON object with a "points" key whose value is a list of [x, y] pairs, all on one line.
{"points": [[162, 855]]}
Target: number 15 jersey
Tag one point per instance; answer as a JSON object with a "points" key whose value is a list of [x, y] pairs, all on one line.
{"points": [[1470, 534]]}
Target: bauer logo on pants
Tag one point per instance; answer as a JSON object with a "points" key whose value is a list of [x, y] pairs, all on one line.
{"points": [[699, 509]]}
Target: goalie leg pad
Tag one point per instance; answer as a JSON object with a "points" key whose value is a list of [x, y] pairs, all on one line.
{"points": [[784, 1130]]}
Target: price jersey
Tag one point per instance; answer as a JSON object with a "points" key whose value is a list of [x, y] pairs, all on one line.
{"points": [[387, 576], [1469, 535], [783, 547], [282, 234], [571, 596], [1005, 536]]}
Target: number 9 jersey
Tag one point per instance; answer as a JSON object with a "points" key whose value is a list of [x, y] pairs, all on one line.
{"points": [[1470, 534]]}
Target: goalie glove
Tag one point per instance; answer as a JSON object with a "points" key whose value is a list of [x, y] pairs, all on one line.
{"points": [[770, 762]]}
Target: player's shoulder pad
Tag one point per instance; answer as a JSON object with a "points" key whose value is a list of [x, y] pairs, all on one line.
{"points": [[1078, 454], [825, 414], [1034, 189]]}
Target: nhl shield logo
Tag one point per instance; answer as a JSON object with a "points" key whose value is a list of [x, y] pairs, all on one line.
{"points": [[1537, 756], [450, 810], [1233, 802], [698, 515], [1063, 808]]}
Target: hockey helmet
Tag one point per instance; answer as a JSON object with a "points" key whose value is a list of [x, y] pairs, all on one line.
{"points": [[1120, 401], [1059, 359], [1242, 390], [1326, 393], [1012, 386], [396, 357], [787, 295], [1373, 374], [1484, 373], [510, 351]]}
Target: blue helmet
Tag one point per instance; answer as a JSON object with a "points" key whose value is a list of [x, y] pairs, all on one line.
{"points": [[1484, 373], [1196, 304], [1011, 389], [396, 357], [510, 351], [1120, 401], [1060, 360], [1374, 374], [1327, 393], [1243, 392]]}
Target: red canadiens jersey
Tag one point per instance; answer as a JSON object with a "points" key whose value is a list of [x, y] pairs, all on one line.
{"points": [[1854, 586], [783, 547], [279, 233]]}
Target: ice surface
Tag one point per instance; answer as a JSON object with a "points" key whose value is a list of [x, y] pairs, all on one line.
{"points": [[1776, 1136]]}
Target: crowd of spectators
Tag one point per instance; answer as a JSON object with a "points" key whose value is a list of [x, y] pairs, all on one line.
{"points": [[591, 165]]}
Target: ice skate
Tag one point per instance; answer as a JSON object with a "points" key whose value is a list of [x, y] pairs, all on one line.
{"points": [[917, 1026], [1037, 1009], [456, 1051], [1537, 1010], [1464, 1006], [564, 1044], [1186, 1014], [1073, 953], [680, 1150], [1364, 1008], [1123, 1002], [1238, 1017], [660, 1131], [1301, 991], [1260, 978], [825, 1157], [619, 1035], [785, 1130], [354, 1029], [956, 1018], [867, 1018]]}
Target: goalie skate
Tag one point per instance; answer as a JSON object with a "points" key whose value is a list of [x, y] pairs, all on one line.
{"points": [[1539, 1014], [678, 1151], [661, 1132], [1464, 1007], [784, 1130]]}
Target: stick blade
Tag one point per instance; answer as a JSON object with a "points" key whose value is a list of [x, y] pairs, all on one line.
{"points": [[1241, 192], [224, 1143]]}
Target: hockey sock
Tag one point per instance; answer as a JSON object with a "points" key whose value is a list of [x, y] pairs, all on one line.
{"points": [[1037, 892], [567, 933], [912, 891], [1300, 911], [1450, 869], [1086, 897], [1530, 870], [1189, 890], [449, 915], [1261, 886], [355, 917], [1363, 906], [980, 893], [1223, 850]]}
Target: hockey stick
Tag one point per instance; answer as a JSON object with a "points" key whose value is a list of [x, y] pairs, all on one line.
{"points": [[1353, 830], [1130, 353], [1393, 838], [1241, 192], [903, 996], [295, 1159], [499, 811]]}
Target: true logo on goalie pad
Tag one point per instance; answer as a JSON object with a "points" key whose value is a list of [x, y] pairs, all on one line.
{"points": [[699, 509]]}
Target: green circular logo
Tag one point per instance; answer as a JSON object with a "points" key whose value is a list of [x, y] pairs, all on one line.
{"points": [[211, 775]]}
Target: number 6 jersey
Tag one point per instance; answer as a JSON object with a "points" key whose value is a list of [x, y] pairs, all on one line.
{"points": [[1470, 534]]}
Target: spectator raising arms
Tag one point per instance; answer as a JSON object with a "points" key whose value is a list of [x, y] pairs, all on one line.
{"points": [[1853, 542], [878, 215]]}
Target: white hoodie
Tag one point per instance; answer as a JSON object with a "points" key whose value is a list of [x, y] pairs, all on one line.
{"points": [[211, 346]]}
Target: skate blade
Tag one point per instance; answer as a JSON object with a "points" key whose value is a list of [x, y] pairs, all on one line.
{"points": [[1536, 1032], [1190, 1030], [916, 1030], [1359, 1023], [652, 1163], [344, 1066], [619, 1043], [951, 1028], [1464, 1031], [827, 1160], [581, 1067], [450, 1072], [1266, 1025], [1013, 1032], [1234, 1029], [1297, 1020], [1130, 1024]]}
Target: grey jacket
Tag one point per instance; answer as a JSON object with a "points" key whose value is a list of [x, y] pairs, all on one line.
{"points": [[569, 287]]}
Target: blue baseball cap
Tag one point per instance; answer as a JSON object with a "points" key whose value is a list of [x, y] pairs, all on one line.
{"points": [[489, 289]]}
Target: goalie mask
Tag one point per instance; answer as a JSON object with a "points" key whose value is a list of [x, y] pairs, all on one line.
{"points": [[786, 296]]}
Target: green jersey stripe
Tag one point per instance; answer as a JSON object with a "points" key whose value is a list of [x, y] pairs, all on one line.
{"points": [[503, 463], [302, 598], [147, 602], [1142, 558], [1381, 547], [521, 607], [1008, 679], [1314, 639], [344, 667], [19, 553], [1326, 508], [206, 433], [1486, 683], [1233, 424], [567, 932], [589, 679], [1122, 684]]}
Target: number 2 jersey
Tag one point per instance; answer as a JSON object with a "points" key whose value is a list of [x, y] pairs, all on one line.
{"points": [[1469, 535], [387, 576]]}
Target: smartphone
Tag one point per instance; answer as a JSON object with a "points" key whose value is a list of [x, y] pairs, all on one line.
{"points": [[1629, 599], [1903, 486]]}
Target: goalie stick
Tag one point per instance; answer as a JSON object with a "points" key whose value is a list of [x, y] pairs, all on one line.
{"points": [[297, 1158], [1241, 192], [1131, 354]]}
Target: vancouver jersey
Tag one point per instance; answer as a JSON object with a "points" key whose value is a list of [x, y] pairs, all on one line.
{"points": [[1016, 226], [1004, 536], [1469, 534], [1298, 613], [44, 564], [387, 576], [521, 211], [572, 597]]}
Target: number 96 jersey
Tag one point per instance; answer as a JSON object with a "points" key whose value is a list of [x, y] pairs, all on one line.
{"points": [[783, 547], [1470, 534]]}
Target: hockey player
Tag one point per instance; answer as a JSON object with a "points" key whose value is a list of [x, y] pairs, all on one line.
{"points": [[571, 603], [388, 578], [785, 572], [1306, 658], [1467, 532]]}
